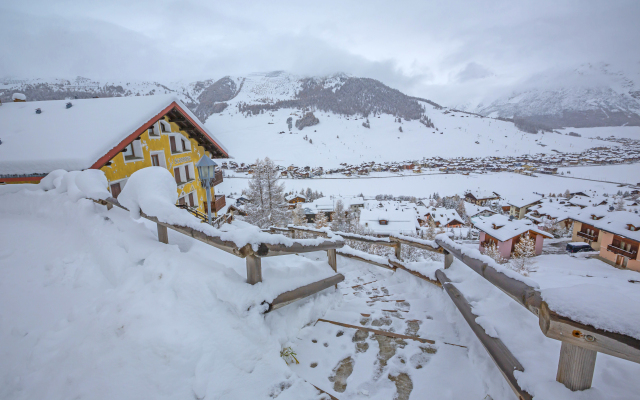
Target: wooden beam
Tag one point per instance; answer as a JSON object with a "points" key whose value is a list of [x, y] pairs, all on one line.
{"points": [[448, 259], [387, 266], [562, 328], [506, 362], [163, 234], [304, 291], [254, 269], [519, 291], [333, 262], [414, 273], [576, 366], [398, 251], [386, 333], [415, 243], [271, 250]]}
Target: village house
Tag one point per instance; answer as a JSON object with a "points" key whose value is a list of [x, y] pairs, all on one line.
{"points": [[293, 199], [519, 205], [389, 218], [481, 198], [505, 232], [439, 217], [118, 135], [615, 234]]}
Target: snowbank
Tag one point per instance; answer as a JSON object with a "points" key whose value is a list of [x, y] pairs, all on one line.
{"points": [[93, 306]]}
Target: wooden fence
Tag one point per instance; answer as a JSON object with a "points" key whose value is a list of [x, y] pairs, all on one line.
{"points": [[253, 257], [580, 342]]}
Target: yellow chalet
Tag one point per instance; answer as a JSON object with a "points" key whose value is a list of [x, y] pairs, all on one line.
{"points": [[118, 135]]}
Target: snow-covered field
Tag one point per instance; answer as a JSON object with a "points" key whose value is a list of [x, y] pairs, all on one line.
{"points": [[337, 139], [505, 183], [623, 173]]}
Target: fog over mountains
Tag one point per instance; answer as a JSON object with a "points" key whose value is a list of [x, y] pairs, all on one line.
{"points": [[589, 96]]}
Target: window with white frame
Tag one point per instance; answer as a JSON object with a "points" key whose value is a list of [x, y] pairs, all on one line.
{"points": [[133, 152], [153, 131], [158, 159], [184, 173], [165, 127], [179, 144]]}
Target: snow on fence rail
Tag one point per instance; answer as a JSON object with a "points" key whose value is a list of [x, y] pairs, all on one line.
{"points": [[252, 251], [580, 342]]}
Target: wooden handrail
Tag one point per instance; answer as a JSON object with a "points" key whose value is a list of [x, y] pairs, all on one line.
{"points": [[506, 362]]}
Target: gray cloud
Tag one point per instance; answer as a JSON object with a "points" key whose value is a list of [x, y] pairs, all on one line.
{"points": [[426, 48]]}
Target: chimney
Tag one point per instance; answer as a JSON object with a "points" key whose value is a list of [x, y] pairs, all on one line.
{"points": [[18, 97]]}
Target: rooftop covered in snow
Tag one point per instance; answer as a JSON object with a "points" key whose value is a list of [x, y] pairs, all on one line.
{"points": [[503, 228], [76, 134]]}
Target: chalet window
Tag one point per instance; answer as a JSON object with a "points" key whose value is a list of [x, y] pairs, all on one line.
{"points": [[384, 222], [172, 141], [182, 201], [155, 160], [115, 190], [192, 201], [176, 172], [184, 145], [186, 173], [152, 131], [164, 126]]}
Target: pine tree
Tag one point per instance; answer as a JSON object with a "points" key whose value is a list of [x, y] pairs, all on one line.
{"points": [[523, 251], [620, 205], [298, 216], [567, 194], [339, 222], [492, 251], [321, 220], [266, 205]]}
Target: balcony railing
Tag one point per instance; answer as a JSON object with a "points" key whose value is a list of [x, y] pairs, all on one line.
{"points": [[617, 250], [219, 203], [218, 179], [588, 236]]}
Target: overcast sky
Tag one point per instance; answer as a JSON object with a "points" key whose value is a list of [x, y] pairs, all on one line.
{"points": [[425, 48]]}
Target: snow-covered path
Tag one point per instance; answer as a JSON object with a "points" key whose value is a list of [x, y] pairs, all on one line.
{"points": [[351, 363]]}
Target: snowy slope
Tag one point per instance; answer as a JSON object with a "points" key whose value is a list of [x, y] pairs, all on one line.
{"points": [[590, 95]]}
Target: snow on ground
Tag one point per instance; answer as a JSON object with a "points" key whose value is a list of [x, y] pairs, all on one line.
{"points": [[337, 139], [93, 306], [518, 328], [423, 185], [623, 173], [630, 132]]}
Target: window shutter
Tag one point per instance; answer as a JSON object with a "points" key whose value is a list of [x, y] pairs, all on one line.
{"points": [[176, 172], [155, 161], [115, 190], [186, 172], [172, 140], [192, 202]]}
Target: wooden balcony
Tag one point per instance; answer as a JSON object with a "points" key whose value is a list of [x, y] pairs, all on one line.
{"points": [[587, 236], [616, 250], [217, 180], [218, 204]]}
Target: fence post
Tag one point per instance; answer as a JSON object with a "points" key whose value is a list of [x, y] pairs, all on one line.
{"points": [[448, 259], [576, 366], [398, 248], [333, 261], [163, 234], [254, 269]]}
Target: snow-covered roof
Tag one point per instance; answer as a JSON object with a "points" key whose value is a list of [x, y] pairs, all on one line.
{"points": [[483, 194], [616, 222], [472, 210], [523, 200], [74, 138], [290, 197], [443, 216], [399, 216], [328, 203], [503, 229]]}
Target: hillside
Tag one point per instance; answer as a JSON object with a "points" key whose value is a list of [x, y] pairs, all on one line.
{"points": [[325, 121], [589, 96]]}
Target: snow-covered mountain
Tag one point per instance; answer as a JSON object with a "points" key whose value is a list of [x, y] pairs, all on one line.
{"points": [[325, 121], [588, 96]]}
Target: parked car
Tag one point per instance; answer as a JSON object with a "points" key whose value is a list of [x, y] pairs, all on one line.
{"points": [[578, 247]]}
